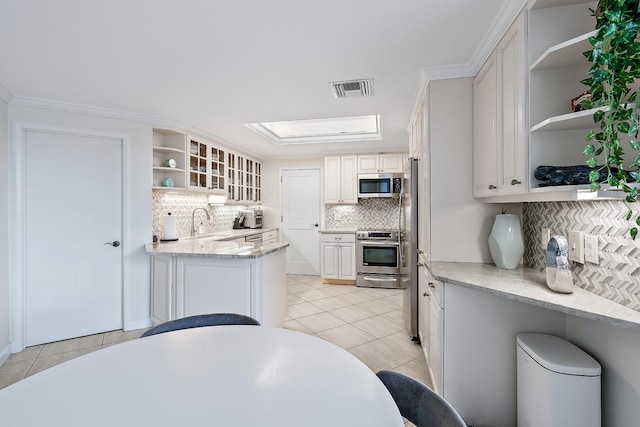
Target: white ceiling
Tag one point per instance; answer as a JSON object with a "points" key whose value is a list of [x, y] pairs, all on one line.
{"points": [[216, 65]]}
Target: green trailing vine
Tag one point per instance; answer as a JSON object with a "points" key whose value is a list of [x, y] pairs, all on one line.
{"points": [[613, 81]]}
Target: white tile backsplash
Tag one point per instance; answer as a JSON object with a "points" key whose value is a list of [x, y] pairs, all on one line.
{"points": [[370, 214], [181, 206]]}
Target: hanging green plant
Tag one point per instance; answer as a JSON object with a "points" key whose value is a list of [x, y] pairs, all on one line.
{"points": [[613, 78]]}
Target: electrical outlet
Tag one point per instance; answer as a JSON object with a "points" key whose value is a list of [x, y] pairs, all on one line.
{"points": [[591, 249], [545, 235], [576, 246], [337, 216]]}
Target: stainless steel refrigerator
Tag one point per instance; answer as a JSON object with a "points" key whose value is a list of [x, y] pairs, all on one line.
{"points": [[409, 210]]}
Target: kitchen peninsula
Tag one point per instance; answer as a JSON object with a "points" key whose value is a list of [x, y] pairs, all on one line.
{"points": [[212, 274]]}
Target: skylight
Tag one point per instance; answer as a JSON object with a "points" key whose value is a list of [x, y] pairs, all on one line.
{"points": [[342, 129]]}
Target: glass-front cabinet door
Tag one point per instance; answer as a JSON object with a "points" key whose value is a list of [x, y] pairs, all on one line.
{"points": [[244, 176], [206, 166]]}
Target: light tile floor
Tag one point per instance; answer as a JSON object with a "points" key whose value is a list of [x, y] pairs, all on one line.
{"points": [[367, 322]]}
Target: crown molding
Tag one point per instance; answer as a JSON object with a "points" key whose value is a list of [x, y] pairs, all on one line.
{"points": [[488, 43], [497, 29], [421, 95], [111, 113], [5, 95]]}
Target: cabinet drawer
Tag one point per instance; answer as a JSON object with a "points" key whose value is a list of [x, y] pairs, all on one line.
{"points": [[269, 235], [338, 238]]}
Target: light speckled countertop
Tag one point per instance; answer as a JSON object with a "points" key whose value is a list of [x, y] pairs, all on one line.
{"points": [[529, 286], [338, 231], [214, 245]]}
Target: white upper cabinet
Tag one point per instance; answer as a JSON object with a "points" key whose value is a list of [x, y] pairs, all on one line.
{"points": [[485, 122], [538, 68], [341, 180], [381, 163], [512, 146], [499, 131], [206, 166], [244, 177]]}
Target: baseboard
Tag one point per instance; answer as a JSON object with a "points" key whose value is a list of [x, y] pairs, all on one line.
{"points": [[137, 324], [5, 353]]}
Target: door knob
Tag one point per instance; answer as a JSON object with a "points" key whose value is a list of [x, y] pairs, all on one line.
{"points": [[492, 187], [115, 243], [315, 225]]}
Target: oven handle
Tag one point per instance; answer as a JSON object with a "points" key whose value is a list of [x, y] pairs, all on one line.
{"points": [[368, 243], [376, 279]]}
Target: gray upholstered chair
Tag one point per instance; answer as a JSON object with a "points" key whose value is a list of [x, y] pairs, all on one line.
{"points": [[418, 403], [214, 319]]}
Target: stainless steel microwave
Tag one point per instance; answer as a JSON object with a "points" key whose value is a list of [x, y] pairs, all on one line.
{"points": [[379, 185]]}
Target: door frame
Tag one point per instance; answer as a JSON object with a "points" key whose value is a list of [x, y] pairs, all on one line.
{"points": [[280, 191], [17, 261]]}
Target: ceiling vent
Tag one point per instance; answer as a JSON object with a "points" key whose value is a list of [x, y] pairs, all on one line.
{"points": [[352, 88]]}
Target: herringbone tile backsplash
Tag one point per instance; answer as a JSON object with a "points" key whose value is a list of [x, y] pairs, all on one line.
{"points": [[617, 277], [368, 214], [182, 205]]}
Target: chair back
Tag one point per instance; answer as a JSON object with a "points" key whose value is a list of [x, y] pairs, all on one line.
{"points": [[418, 403], [198, 321]]}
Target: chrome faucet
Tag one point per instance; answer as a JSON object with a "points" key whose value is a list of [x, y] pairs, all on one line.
{"points": [[193, 219]]}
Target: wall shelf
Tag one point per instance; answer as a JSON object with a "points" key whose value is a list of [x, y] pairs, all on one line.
{"points": [[565, 55], [571, 121]]}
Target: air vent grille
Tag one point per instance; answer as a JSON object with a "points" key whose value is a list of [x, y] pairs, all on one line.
{"points": [[352, 88]]}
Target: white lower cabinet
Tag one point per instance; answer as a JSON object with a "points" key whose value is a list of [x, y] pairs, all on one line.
{"points": [[338, 256], [189, 285], [423, 309], [206, 287], [270, 237]]}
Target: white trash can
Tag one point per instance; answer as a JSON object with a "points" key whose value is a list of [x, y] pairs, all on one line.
{"points": [[558, 383]]}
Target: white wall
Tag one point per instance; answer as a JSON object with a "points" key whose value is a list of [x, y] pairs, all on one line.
{"points": [[460, 224], [5, 295], [271, 185], [140, 162], [618, 351]]}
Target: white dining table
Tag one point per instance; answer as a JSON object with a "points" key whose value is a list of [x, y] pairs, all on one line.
{"points": [[211, 376]]}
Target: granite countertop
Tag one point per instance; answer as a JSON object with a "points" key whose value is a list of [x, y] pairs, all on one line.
{"points": [[214, 245], [228, 234], [529, 286]]}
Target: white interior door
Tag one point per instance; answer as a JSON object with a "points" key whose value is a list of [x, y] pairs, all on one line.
{"points": [[72, 207], [300, 210]]}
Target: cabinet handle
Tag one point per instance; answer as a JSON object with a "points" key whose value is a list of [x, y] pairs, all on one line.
{"points": [[431, 285], [515, 182], [492, 187], [425, 294]]}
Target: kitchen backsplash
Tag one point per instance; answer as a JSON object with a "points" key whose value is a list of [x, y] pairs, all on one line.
{"points": [[367, 214], [617, 277], [182, 206]]}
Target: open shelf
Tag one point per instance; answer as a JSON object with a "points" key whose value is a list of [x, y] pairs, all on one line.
{"points": [[168, 150], [167, 169], [566, 54], [541, 4], [571, 121]]}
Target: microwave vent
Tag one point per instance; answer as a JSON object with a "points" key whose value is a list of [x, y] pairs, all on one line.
{"points": [[352, 88]]}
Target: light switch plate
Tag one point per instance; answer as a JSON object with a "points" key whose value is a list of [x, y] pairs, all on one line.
{"points": [[545, 235], [591, 249], [576, 246]]}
